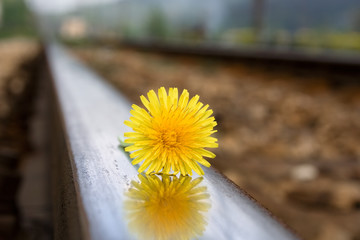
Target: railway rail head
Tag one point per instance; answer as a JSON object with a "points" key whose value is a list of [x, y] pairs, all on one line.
{"points": [[93, 178]]}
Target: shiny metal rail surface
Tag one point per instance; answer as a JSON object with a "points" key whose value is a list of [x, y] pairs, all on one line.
{"points": [[110, 192]]}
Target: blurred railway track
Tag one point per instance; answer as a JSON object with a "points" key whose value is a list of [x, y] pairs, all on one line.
{"points": [[283, 55], [340, 68]]}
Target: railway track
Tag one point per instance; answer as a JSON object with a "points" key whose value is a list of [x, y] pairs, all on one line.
{"points": [[266, 54], [92, 174], [274, 121]]}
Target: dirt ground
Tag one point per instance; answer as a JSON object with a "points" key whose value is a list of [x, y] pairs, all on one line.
{"points": [[290, 137], [16, 94]]}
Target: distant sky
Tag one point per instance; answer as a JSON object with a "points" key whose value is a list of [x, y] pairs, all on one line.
{"points": [[60, 6]]}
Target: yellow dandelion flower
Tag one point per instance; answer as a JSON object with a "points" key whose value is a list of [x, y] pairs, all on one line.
{"points": [[171, 134], [168, 208]]}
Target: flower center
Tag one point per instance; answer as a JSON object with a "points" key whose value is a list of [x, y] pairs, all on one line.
{"points": [[168, 138]]}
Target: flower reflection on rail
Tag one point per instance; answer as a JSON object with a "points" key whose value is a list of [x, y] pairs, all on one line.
{"points": [[167, 207]]}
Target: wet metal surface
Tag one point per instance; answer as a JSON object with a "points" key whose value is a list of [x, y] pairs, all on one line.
{"points": [[115, 202]]}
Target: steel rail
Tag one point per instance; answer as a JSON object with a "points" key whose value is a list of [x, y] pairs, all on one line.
{"points": [[283, 55], [88, 116]]}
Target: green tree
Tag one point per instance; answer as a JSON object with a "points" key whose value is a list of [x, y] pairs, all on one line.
{"points": [[157, 24], [16, 19], [356, 20]]}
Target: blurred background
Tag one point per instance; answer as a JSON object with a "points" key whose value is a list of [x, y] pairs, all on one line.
{"points": [[306, 25], [287, 104]]}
